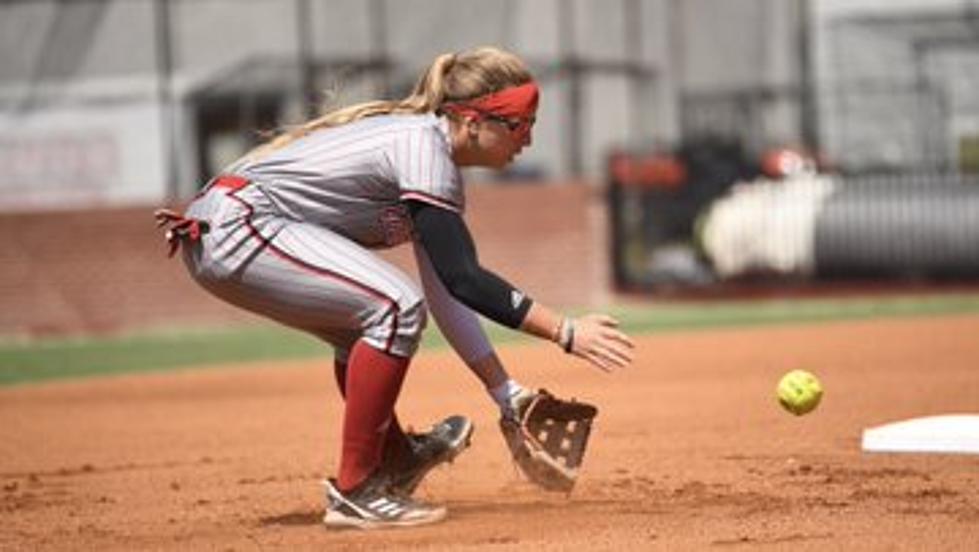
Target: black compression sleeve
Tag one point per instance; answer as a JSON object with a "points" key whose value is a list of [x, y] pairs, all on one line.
{"points": [[450, 246]]}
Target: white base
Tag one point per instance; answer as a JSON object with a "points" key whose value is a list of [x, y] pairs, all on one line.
{"points": [[956, 433]]}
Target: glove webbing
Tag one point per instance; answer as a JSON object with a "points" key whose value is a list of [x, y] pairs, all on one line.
{"points": [[562, 428]]}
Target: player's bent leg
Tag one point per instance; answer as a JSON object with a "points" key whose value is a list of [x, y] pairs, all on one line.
{"points": [[397, 449], [408, 457], [362, 495], [373, 384], [397, 329], [312, 279]]}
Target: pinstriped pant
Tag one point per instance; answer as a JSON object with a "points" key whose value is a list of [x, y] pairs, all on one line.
{"points": [[302, 275]]}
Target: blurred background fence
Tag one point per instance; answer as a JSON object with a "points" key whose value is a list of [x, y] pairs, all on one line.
{"points": [[762, 140], [863, 165], [121, 101]]}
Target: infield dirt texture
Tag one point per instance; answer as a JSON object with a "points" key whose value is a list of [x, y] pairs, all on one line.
{"points": [[690, 451]]}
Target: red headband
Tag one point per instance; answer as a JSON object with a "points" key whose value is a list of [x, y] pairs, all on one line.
{"points": [[516, 102]]}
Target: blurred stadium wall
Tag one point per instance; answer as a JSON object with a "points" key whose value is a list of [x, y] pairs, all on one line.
{"points": [[106, 271], [123, 101], [108, 102], [127, 101], [124, 104], [898, 84]]}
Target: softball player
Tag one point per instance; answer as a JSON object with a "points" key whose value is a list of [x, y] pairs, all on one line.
{"points": [[287, 232]]}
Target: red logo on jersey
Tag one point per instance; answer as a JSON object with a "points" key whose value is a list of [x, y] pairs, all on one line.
{"points": [[395, 225]]}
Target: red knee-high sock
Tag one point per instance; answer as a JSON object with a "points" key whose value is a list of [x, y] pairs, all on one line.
{"points": [[373, 381], [396, 446]]}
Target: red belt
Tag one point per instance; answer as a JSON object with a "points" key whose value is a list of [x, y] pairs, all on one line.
{"points": [[179, 227]]}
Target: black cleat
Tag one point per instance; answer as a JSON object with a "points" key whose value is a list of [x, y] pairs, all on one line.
{"points": [[446, 440]]}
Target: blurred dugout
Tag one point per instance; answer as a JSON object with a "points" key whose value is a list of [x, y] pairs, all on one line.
{"points": [[863, 167]]}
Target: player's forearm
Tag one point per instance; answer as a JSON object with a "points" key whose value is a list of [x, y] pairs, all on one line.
{"points": [[489, 370], [542, 322], [460, 326]]}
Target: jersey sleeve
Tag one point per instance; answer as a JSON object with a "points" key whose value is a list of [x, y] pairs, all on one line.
{"points": [[458, 323], [425, 171]]}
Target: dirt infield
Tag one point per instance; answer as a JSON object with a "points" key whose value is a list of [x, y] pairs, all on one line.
{"points": [[690, 451]]}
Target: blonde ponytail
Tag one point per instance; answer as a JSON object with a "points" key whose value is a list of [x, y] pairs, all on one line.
{"points": [[450, 77]]}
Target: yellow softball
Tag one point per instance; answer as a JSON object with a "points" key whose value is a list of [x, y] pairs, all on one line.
{"points": [[799, 392]]}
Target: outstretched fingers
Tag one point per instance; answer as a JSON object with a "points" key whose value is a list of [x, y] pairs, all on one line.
{"points": [[612, 353], [598, 341], [601, 320], [622, 356], [601, 363], [619, 338]]}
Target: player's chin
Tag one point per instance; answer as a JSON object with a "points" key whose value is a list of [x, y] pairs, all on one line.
{"points": [[501, 164], [506, 161]]}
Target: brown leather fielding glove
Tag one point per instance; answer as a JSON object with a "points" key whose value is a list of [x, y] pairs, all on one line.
{"points": [[548, 437]]}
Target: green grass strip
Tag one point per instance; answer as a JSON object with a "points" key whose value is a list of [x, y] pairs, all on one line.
{"points": [[149, 352], [687, 316], [23, 362]]}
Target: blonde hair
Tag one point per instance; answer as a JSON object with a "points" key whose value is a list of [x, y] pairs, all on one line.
{"points": [[450, 78]]}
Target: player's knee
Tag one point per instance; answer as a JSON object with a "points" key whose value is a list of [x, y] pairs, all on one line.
{"points": [[412, 321], [398, 328]]}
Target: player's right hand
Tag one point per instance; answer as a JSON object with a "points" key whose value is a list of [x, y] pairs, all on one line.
{"points": [[598, 340]]}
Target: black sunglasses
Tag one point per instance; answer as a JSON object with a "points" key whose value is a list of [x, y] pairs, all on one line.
{"points": [[515, 126]]}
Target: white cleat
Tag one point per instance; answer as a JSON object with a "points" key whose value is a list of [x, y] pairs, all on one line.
{"points": [[371, 505]]}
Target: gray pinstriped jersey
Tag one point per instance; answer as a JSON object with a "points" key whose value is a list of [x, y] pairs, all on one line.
{"points": [[352, 178]]}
